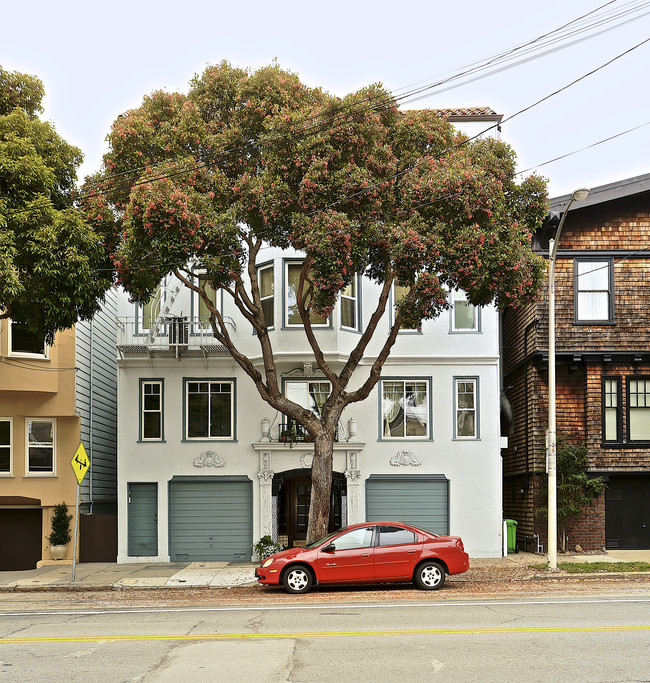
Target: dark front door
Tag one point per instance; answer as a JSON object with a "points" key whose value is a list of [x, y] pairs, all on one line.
{"points": [[627, 512], [20, 539], [293, 499]]}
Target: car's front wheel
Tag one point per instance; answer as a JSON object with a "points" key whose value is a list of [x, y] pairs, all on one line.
{"points": [[430, 575], [297, 580]]}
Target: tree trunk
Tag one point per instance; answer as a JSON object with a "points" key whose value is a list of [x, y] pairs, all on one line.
{"points": [[321, 485]]}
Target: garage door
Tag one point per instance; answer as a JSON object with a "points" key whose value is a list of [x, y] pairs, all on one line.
{"points": [[210, 519], [421, 500], [21, 541]]}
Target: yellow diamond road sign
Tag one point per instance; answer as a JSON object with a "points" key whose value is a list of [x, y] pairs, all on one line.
{"points": [[80, 463]]}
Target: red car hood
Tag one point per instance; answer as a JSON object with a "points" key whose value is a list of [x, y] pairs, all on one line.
{"points": [[290, 553]]}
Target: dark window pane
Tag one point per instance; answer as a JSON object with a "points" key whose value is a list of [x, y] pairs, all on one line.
{"points": [[41, 459], [23, 341], [5, 463], [5, 433], [151, 427], [220, 414], [197, 415]]}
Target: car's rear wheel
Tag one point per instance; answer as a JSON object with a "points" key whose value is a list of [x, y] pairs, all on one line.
{"points": [[430, 575], [297, 580]]}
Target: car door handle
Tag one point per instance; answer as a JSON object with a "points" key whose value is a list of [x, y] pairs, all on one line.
{"points": [[366, 555], [410, 552]]}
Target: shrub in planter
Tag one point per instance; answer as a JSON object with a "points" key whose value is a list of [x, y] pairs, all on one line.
{"points": [[266, 546], [60, 534]]}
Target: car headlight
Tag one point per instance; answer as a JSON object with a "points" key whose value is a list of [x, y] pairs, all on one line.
{"points": [[267, 563]]}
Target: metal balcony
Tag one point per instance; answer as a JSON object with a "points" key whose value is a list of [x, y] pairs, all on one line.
{"points": [[168, 337]]}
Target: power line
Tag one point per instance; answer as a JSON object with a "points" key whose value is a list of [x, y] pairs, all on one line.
{"points": [[374, 105]]}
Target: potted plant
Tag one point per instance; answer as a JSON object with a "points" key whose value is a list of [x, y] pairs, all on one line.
{"points": [[60, 534], [266, 546]]}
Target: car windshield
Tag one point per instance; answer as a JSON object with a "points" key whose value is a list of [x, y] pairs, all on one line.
{"points": [[313, 544]]}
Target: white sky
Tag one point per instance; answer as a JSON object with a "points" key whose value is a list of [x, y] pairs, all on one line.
{"points": [[98, 59]]}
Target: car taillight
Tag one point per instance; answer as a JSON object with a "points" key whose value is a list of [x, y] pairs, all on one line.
{"points": [[459, 545]]}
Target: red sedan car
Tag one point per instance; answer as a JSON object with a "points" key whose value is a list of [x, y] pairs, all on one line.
{"points": [[371, 552]]}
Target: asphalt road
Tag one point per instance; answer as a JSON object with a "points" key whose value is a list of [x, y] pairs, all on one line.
{"points": [[573, 638]]}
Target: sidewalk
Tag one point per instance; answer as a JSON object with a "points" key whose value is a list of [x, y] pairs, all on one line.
{"points": [[112, 576]]}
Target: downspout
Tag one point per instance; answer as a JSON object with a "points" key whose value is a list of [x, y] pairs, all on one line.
{"points": [[530, 325], [91, 417]]}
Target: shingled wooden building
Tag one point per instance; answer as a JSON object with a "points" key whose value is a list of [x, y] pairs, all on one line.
{"points": [[602, 322]]}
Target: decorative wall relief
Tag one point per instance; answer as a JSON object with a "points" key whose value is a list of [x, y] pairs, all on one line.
{"points": [[209, 459], [306, 460], [352, 459], [265, 476], [352, 475], [405, 458]]}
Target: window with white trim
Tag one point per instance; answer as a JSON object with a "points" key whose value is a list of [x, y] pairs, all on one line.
{"points": [[209, 409], [638, 410], [291, 283], [350, 306], [398, 292], [466, 425], [310, 394], [464, 315], [148, 313], [405, 409], [23, 342], [40, 447], [151, 401], [6, 437], [266, 285], [594, 291]]}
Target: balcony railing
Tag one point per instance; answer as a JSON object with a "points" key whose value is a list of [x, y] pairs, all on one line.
{"points": [[292, 432], [168, 336]]}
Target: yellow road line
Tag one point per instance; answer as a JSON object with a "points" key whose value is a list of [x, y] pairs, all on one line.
{"points": [[323, 634]]}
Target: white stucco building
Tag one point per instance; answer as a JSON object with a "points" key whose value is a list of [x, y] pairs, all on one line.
{"points": [[206, 467]]}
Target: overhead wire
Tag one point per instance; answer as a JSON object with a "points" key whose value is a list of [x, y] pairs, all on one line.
{"points": [[374, 105]]}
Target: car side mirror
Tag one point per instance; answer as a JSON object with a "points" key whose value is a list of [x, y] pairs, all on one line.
{"points": [[329, 548]]}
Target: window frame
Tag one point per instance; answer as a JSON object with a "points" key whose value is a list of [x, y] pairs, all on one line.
{"points": [[452, 315], [198, 326], [577, 320], [619, 408], [393, 303], [233, 409], [140, 329], [628, 380], [9, 446], [269, 265], [428, 382], [286, 263], [457, 409], [141, 436], [44, 355], [356, 299], [40, 473]]}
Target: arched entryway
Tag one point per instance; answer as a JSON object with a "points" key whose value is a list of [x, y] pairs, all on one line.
{"points": [[291, 496]]}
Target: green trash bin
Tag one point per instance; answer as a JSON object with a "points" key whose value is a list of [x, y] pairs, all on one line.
{"points": [[511, 525]]}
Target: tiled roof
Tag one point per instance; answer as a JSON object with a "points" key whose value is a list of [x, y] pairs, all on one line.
{"points": [[466, 111]]}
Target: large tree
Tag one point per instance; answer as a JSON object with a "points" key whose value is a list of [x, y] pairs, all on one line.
{"points": [[55, 269], [199, 182]]}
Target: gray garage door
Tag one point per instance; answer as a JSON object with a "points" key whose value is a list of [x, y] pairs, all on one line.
{"points": [[421, 500], [210, 519]]}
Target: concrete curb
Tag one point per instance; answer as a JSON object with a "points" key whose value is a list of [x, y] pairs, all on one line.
{"points": [[72, 588]]}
